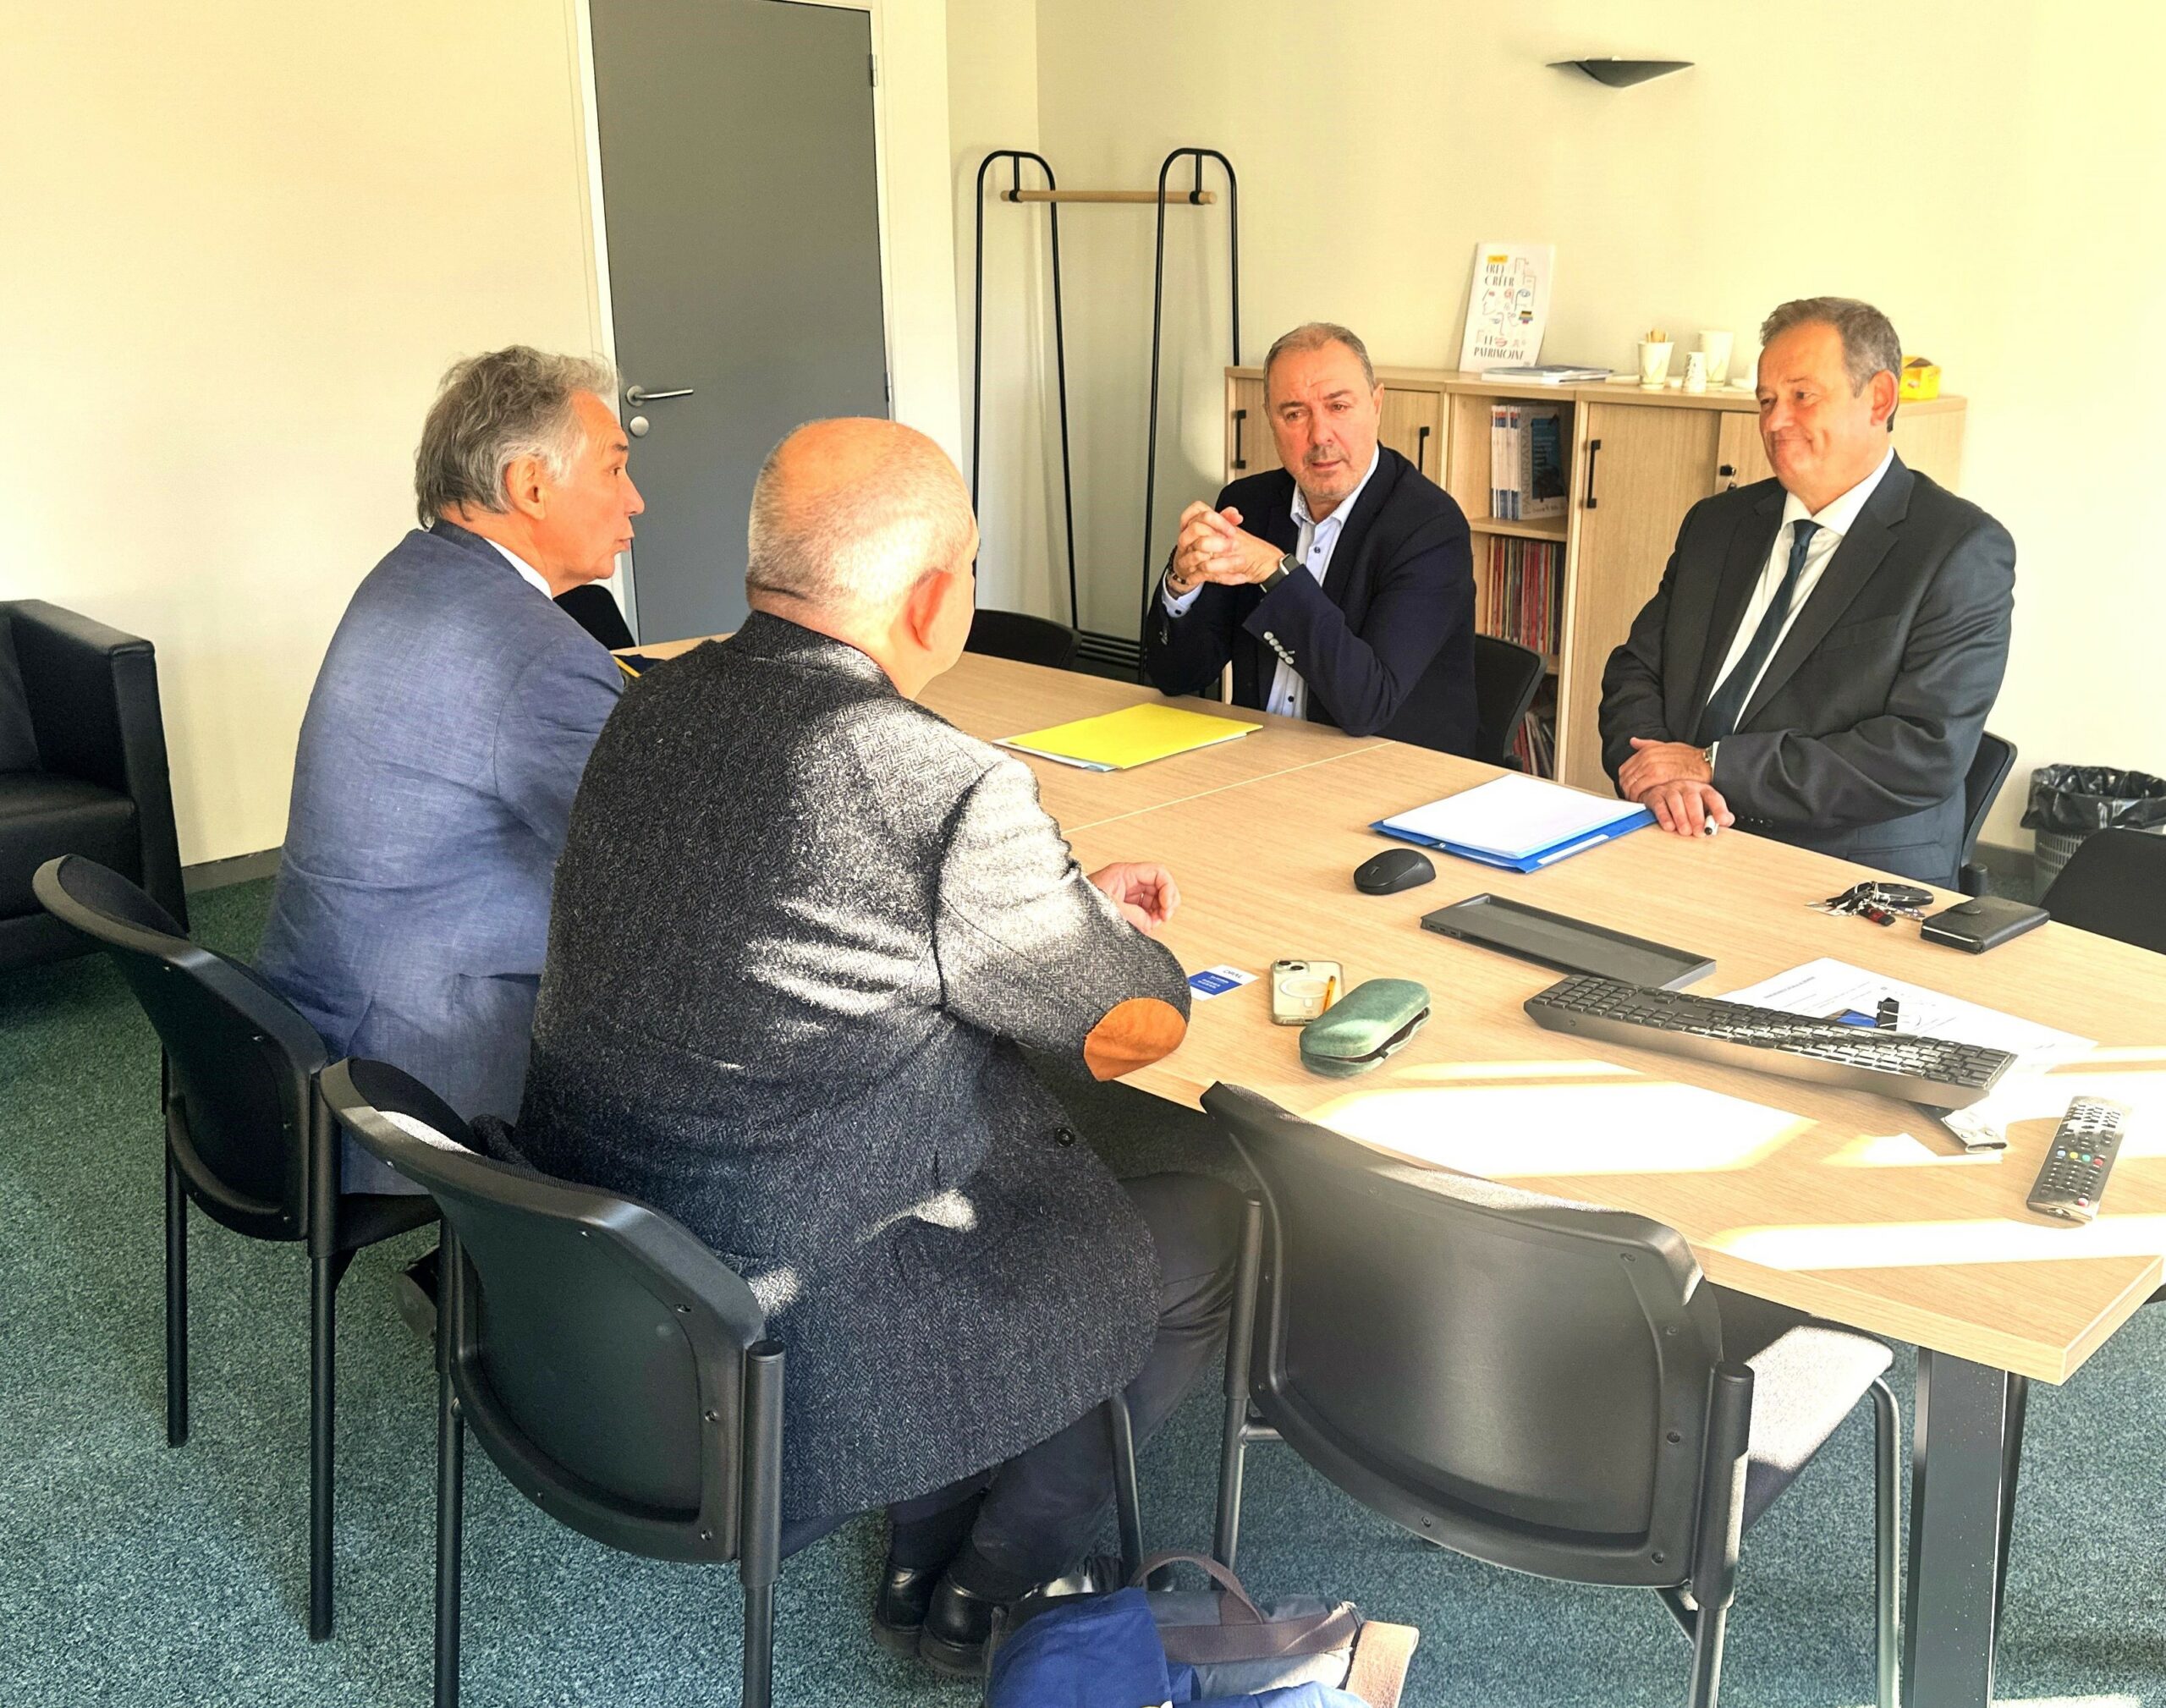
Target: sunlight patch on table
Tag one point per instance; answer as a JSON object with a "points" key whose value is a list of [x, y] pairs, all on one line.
{"points": [[1925, 1244], [1522, 1129]]}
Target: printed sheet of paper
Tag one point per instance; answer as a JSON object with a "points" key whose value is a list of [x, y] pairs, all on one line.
{"points": [[1825, 988]]}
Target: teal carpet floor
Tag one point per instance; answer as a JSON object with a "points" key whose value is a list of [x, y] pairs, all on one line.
{"points": [[132, 1573]]}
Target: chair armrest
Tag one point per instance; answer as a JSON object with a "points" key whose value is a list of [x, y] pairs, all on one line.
{"points": [[1971, 878], [93, 697]]}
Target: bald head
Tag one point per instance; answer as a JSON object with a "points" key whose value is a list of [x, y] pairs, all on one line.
{"points": [[848, 515]]}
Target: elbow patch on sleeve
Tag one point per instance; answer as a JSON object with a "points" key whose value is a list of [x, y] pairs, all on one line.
{"points": [[1133, 1035]]}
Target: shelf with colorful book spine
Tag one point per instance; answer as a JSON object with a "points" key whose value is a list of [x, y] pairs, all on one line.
{"points": [[1519, 594]]}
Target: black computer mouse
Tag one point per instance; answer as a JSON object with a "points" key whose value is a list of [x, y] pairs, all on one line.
{"points": [[1394, 869]]}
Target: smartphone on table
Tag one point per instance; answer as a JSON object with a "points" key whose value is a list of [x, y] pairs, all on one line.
{"points": [[1302, 990]]}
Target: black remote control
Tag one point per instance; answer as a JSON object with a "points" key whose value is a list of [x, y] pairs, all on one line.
{"points": [[2081, 1157]]}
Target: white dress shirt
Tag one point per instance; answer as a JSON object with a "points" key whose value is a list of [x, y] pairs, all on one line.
{"points": [[527, 573], [1289, 692], [1836, 519]]}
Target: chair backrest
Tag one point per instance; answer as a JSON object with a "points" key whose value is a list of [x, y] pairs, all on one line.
{"points": [[240, 1060], [1029, 640], [1989, 768], [598, 1347], [2115, 884], [1506, 679], [1522, 1380], [590, 606]]}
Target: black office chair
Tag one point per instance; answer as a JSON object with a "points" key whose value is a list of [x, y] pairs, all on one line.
{"points": [[615, 1368], [2115, 884], [247, 1138], [1540, 1385], [82, 769], [1989, 768], [1506, 679], [590, 606], [1028, 639]]}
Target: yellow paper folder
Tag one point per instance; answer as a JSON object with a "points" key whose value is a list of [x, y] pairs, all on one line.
{"points": [[1135, 735]]}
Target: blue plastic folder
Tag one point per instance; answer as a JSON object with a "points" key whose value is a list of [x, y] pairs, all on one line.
{"points": [[1520, 823]]}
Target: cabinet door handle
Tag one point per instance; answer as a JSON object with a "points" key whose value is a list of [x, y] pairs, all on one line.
{"points": [[1593, 445], [1239, 416], [1728, 473], [1421, 450]]}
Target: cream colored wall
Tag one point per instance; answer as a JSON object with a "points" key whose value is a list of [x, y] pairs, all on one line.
{"points": [[2006, 217], [243, 242], [992, 86]]}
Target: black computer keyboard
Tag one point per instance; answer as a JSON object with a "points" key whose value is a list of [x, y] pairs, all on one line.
{"points": [[1937, 1071]]}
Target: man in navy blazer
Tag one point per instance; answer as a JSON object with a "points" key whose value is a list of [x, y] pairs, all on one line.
{"points": [[1341, 585], [445, 737]]}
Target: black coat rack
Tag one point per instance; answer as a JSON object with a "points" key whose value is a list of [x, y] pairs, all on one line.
{"points": [[1115, 650]]}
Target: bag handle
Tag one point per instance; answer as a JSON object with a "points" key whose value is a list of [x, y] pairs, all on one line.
{"points": [[1248, 1613]]}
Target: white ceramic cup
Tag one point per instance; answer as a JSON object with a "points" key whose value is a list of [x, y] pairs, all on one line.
{"points": [[1654, 363], [1695, 370], [1717, 347]]}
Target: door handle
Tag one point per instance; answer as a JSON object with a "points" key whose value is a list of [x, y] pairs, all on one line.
{"points": [[1421, 450], [1239, 416], [1727, 472], [639, 400], [1594, 446]]}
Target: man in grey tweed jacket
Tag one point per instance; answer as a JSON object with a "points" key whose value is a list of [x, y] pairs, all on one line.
{"points": [[802, 928]]}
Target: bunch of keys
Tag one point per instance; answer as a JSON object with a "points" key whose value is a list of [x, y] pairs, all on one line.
{"points": [[1880, 903]]}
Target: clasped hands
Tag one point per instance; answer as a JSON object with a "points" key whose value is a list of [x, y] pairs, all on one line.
{"points": [[1211, 545], [1674, 780], [1143, 891]]}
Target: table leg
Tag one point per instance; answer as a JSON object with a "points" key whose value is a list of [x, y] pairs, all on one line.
{"points": [[1957, 1488]]}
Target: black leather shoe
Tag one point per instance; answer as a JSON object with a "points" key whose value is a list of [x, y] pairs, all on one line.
{"points": [[958, 1622], [899, 1610], [952, 1638]]}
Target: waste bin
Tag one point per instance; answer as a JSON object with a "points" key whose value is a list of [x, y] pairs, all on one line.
{"points": [[2070, 801]]}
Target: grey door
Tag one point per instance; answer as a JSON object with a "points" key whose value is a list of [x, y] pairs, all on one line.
{"points": [[738, 192]]}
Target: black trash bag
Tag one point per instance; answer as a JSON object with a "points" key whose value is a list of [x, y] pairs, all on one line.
{"points": [[2078, 799]]}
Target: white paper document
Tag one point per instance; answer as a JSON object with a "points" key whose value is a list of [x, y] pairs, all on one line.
{"points": [[1827, 988], [1512, 816]]}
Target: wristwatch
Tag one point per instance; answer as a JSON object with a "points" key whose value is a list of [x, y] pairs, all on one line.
{"points": [[1287, 566]]}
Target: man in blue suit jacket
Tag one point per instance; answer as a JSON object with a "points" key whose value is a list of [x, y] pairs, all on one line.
{"points": [[1342, 586], [446, 736]]}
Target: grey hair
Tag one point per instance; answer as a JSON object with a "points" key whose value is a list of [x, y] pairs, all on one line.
{"points": [[491, 411], [1314, 335], [1868, 335], [860, 545]]}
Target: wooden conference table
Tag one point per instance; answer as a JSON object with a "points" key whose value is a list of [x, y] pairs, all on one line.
{"points": [[1852, 1206]]}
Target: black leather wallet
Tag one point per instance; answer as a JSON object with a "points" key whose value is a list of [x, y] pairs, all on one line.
{"points": [[1984, 924]]}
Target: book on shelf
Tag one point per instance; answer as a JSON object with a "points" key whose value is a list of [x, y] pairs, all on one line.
{"points": [[1526, 461], [1521, 595], [1507, 304], [1549, 374]]}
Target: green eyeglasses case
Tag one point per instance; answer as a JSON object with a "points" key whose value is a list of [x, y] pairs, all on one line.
{"points": [[1370, 1022]]}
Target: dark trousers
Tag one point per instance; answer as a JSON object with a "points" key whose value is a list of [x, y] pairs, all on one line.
{"points": [[1035, 1517]]}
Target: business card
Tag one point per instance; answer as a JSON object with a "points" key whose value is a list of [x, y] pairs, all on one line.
{"points": [[1216, 981]]}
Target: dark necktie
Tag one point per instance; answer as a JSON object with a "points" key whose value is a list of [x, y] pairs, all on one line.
{"points": [[1727, 702]]}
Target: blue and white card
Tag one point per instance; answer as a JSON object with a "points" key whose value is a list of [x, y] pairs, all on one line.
{"points": [[1216, 981]]}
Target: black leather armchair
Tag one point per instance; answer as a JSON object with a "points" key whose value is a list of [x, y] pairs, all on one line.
{"points": [[82, 769]]}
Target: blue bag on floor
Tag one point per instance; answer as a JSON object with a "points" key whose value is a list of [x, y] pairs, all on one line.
{"points": [[1113, 1650]]}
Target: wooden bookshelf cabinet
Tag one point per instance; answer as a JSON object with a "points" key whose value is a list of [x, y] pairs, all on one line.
{"points": [[1639, 461]]}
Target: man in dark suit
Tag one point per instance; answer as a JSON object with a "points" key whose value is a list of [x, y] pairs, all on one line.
{"points": [[445, 737], [804, 928], [1825, 646], [1341, 585]]}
